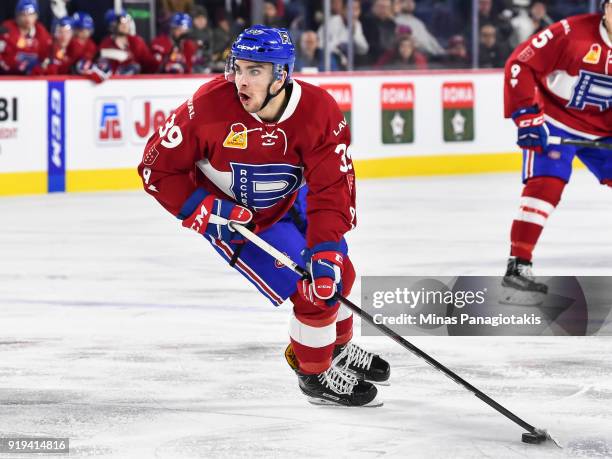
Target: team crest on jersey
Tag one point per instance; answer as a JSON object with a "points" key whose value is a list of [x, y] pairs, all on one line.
{"points": [[237, 137], [594, 54], [259, 186], [592, 89]]}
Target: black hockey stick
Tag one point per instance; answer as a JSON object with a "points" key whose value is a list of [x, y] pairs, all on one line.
{"points": [[554, 140], [533, 434]]}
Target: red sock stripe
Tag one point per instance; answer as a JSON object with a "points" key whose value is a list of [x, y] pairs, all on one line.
{"points": [[535, 211]]}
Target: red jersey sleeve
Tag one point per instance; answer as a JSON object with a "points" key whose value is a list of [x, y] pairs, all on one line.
{"points": [[530, 61], [330, 177], [168, 167]]}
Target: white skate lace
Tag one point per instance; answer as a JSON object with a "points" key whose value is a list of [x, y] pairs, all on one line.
{"points": [[339, 380], [356, 356]]}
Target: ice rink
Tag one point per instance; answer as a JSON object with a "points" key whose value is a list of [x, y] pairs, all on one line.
{"points": [[128, 334]]}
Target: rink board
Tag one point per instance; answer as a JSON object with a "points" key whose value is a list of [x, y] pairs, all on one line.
{"points": [[73, 135]]}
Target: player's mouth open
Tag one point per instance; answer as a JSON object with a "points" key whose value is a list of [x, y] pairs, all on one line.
{"points": [[244, 97]]}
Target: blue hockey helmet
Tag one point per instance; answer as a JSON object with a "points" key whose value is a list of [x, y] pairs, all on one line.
{"points": [[26, 7], [111, 16], [83, 20], [63, 23], [260, 43], [180, 20]]}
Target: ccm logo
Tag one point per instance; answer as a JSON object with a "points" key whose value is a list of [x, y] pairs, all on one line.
{"points": [[532, 122]]}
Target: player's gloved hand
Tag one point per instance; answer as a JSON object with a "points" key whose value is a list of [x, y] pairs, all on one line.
{"points": [[532, 133], [211, 207], [325, 263]]}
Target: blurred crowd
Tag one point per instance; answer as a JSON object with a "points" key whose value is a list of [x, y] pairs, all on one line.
{"points": [[48, 37]]}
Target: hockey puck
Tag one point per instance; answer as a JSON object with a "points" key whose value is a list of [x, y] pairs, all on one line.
{"points": [[534, 438]]}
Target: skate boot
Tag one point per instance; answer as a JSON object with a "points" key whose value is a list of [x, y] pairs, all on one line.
{"points": [[365, 365], [521, 287], [337, 386]]}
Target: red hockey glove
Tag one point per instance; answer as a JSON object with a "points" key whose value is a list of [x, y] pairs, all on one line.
{"points": [[212, 207], [532, 133], [325, 262]]}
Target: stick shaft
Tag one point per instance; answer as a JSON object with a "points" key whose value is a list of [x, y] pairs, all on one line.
{"points": [[289, 263], [554, 140]]}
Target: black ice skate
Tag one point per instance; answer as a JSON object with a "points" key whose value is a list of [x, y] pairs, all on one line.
{"points": [[365, 365], [521, 287], [338, 386]]}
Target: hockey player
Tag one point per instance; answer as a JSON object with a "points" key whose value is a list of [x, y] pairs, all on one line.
{"points": [[175, 52], [240, 148], [62, 56], [558, 83], [26, 42], [121, 52], [83, 30]]}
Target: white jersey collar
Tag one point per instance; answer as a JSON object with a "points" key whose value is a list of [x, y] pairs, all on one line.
{"points": [[296, 95], [604, 34]]}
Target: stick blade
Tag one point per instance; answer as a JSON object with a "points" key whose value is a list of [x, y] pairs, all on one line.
{"points": [[537, 437]]}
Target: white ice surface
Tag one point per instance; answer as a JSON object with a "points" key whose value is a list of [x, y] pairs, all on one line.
{"points": [[128, 334]]}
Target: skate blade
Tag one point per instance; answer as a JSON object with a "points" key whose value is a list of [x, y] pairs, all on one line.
{"points": [[324, 402], [513, 297]]}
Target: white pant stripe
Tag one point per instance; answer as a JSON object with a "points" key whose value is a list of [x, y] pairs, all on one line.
{"points": [[312, 336]]}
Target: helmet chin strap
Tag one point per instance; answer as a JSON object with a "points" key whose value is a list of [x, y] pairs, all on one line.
{"points": [[269, 95]]}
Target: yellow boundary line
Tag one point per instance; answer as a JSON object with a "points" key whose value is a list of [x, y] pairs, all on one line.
{"points": [[18, 183]]}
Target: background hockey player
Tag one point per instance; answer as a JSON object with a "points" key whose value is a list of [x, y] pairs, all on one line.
{"points": [[557, 83], [240, 148], [26, 42], [122, 52], [175, 52], [64, 51]]}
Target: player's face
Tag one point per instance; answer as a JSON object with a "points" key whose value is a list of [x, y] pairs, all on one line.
{"points": [[27, 20], [608, 17], [252, 81], [63, 36], [83, 34]]}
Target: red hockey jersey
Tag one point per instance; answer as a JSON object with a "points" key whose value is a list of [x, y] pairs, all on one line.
{"points": [[24, 53], [173, 57], [566, 70], [213, 143]]}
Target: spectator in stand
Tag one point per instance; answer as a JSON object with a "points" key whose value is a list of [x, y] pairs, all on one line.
{"points": [[122, 53], [487, 14], [175, 52], [425, 41], [338, 35], [64, 51], [527, 23], [404, 56], [223, 37], [310, 55], [271, 17], [167, 8], [493, 54], [457, 56], [26, 42], [202, 35], [379, 29]]}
